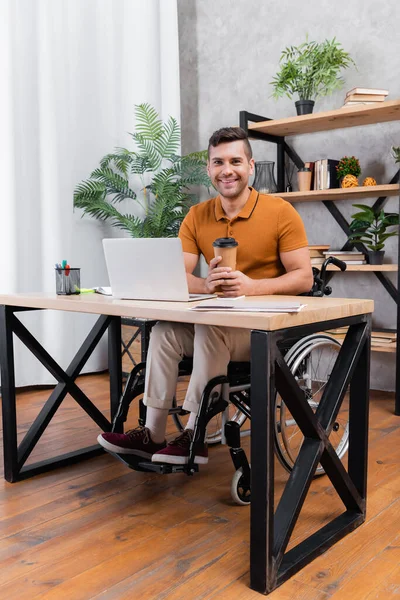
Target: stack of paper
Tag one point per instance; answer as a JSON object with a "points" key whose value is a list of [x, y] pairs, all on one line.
{"points": [[270, 306]]}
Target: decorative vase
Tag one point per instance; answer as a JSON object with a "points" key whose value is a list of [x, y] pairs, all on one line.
{"points": [[376, 257], [264, 180], [304, 107], [304, 179]]}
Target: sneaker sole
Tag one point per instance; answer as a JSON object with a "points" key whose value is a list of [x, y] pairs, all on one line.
{"points": [[119, 450], [178, 460]]}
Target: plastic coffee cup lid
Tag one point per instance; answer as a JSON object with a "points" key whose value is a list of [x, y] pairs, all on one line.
{"points": [[227, 242]]}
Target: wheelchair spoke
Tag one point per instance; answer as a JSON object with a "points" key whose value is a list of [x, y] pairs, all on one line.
{"points": [[311, 364]]}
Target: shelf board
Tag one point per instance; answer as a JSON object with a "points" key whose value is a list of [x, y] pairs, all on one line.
{"points": [[355, 193], [352, 116], [386, 267]]}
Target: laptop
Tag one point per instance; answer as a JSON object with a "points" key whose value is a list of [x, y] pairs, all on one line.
{"points": [[148, 269]]}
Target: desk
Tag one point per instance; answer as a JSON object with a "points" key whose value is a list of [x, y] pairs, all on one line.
{"points": [[270, 529]]}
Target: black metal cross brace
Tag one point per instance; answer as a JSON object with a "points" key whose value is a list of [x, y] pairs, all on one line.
{"points": [[15, 456], [271, 530]]}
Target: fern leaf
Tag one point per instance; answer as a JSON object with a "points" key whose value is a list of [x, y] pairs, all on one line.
{"points": [[148, 150], [115, 184], [121, 161], [148, 124], [87, 191], [168, 142], [140, 165]]}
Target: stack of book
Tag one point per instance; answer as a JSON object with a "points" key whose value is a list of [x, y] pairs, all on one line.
{"points": [[317, 255], [325, 174], [385, 340], [350, 257], [364, 96]]}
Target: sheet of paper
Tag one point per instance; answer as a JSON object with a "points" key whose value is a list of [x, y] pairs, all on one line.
{"points": [[249, 306]]}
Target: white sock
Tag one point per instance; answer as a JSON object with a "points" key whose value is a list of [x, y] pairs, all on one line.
{"points": [[156, 422], [192, 421]]}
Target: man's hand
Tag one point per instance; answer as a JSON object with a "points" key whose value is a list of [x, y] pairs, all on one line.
{"points": [[236, 284], [216, 275]]}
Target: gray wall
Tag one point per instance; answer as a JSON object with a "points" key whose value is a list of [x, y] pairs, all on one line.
{"points": [[229, 52]]}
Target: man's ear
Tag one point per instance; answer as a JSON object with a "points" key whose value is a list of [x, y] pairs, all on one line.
{"points": [[252, 165], [208, 168]]}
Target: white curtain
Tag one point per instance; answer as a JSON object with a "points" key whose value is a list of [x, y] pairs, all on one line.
{"points": [[71, 72]]}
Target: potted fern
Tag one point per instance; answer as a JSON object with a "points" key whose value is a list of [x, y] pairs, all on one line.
{"points": [[310, 71], [371, 229], [153, 176]]}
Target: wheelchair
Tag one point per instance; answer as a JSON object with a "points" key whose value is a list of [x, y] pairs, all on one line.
{"points": [[225, 405]]}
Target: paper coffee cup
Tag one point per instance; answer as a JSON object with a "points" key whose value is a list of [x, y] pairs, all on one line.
{"points": [[226, 248]]}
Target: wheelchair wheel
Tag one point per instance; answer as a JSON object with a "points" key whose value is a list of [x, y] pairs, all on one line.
{"points": [[311, 362], [241, 494]]}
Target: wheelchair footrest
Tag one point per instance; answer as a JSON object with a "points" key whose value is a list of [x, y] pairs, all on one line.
{"points": [[165, 469], [138, 463]]}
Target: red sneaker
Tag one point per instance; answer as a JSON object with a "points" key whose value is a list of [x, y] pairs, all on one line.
{"points": [[137, 441], [177, 451]]}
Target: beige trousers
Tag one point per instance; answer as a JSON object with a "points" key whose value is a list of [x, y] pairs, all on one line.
{"points": [[211, 348]]}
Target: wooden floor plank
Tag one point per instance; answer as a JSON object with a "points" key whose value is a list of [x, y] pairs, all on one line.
{"points": [[97, 530], [374, 577]]}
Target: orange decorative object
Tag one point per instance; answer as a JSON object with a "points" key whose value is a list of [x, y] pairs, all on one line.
{"points": [[349, 181], [369, 181]]}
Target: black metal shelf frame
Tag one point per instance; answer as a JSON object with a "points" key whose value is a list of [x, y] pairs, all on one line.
{"points": [[282, 147]]}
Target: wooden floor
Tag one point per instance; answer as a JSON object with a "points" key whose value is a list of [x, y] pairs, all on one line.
{"points": [[98, 530]]}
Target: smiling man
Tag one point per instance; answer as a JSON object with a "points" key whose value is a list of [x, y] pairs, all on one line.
{"points": [[272, 258]]}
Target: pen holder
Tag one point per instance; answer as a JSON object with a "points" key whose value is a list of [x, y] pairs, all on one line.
{"points": [[68, 281]]}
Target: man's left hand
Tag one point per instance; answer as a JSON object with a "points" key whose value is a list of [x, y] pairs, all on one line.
{"points": [[237, 283]]}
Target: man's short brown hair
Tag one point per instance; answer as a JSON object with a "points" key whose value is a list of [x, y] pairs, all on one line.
{"points": [[230, 134]]}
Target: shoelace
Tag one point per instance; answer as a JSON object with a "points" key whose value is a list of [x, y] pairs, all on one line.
{"points": [[182, 440], [139, 432]]}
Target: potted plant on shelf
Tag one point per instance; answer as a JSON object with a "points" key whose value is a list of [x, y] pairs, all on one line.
{"points": [[396, 153], [162, 179], [310, 70], [371, 229], [348, 171]]}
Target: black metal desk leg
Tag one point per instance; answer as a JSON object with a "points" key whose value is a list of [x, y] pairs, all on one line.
{"points": [[115, 365], [263, 572], [358, 419], [8, 395]]}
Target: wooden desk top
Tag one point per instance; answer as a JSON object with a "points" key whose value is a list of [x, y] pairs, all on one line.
{"points": [[317, 309]]}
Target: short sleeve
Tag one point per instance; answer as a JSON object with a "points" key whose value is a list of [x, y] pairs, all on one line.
{"points": [[187, 234], [291, 230]]}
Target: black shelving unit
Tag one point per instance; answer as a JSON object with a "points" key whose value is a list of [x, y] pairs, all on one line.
{"points": [[276, 131]]}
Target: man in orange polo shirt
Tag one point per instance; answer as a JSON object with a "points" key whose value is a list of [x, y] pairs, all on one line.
{"points": [[272, 258]]}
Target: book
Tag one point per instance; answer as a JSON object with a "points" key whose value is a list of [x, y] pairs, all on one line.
{"points": [[317, 251], [330, 179], [386, 334], [267, 306], [362, 90], [346, 104], [346, 256], [342, 252], [326, 174], [317, 166], [380, 340], [365, 98], [354, 262]]}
